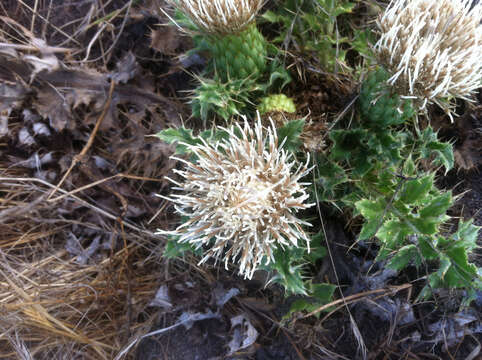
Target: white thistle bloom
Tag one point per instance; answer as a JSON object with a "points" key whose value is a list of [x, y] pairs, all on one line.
{"points": [[220, 16], [240, 197], [432, 48]]}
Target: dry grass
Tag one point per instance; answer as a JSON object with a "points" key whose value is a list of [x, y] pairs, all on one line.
{"points": [[51, 302]]}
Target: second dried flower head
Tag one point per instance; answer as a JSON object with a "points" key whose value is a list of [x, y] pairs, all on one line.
{"points": [[432, 49], [240, 198]]}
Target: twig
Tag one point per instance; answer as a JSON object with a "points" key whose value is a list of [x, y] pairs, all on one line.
{"points": [[49, 49], [298, 352], [78, 158], [348, 299]]}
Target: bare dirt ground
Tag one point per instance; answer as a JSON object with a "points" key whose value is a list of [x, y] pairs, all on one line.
{"points": [[83, 86]]}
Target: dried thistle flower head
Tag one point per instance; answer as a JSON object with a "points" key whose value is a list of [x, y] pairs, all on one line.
{"points": [[240, 197], [220, 16], [433, 49]]}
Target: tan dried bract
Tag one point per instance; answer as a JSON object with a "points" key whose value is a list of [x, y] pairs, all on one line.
{"points": [[220, 16]]}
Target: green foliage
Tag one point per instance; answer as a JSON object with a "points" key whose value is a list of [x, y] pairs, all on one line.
{"points": [[180, 136], [183, 137], [175, 249], [379, 106], [408, 223], [289, 134], [225, 99], [362, 41], [312, 25], [288, 267], [429, 147], [374, 141], [319, 295], [330, 178], [363, 148], [290, 264], [373, 168]]}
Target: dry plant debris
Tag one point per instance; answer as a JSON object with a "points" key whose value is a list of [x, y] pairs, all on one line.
{"points": [[220, 16], [76, 269]]}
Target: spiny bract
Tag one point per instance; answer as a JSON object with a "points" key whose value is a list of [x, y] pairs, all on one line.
{"points": [[241, 55], [240, 197], [432, 49]]}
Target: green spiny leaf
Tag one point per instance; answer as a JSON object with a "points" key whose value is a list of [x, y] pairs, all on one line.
{"points": [[443, 154], [426, 225], [465, 236], [369, 229], [372, 210], [323, 293], [437, 206], [392, 234], [179, 135], [427, 248], [415, 191], [290, 134], [175, 249], [403, 257]]}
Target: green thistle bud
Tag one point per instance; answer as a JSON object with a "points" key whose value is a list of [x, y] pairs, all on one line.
{"points": [[241, 55], [380, 107], [276, 103]]}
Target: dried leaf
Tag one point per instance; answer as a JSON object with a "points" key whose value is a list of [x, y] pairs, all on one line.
{"points": [[244, 334], [24, 137], [162, 298], [74, 247], [51, 105], [48, 61], [453, 329], [188, 318], [165, 40], [40, 129], [60, 91], [468, 156], [127, 69], [11, 96], [221, 296]]}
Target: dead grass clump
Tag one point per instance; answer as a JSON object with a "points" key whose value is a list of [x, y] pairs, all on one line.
{"points": [[52, 298]]}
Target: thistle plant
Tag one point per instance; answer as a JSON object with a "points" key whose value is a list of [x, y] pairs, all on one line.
{"points": [[240, 197], [432, 50], [226, 30]]}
